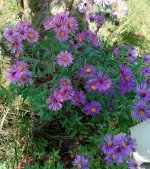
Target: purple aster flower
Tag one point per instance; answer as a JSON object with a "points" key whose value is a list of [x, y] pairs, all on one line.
{"points": [[48, 23], [24, 78], [84, 5], [8, 34], [19, 74], [102, 3], [127, 82], [20, 32], [104, 83], [81, 162], [116, 53], [147, 58], [65, 82], [71, 24], [119, 8], [90, 17], [93, 108], [62, 34], [92, 85], [132, 164], [100, 20], [146, 71], [143, 92], [132, 54], [118, 148], [57, 22], [107, 145], [15, 45], [25, 23], [147, 81], [32, 36], [141, 111], [66, 92], [81, 37], [55, 101], [79, 98], [64, 58], [88, 70], [111, 107], [94, 40]]}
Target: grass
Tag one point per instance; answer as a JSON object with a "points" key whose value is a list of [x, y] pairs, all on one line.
{"points": [[12, 113]]}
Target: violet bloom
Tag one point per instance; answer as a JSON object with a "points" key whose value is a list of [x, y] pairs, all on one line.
{"points": [[25, 79], [111, 107], [20, 32], [133, 54], [116, 53], [141, 111], [55, 101], [102, 3], [25, 23], [88, 71], [127, 82], [143, 92], [132, 164], [15, 45], [71, 24], [81, 38], [79, 98], [92, 85], [72, 44], [146, 71], [48, 24], [19, 74], [8, 34], [81, 162], [62, 34], [66, 92], [83, 6], [118, 148], [32, 36], [104, 83], [93, 108], [119, 8], [64, 58], [100, 20], [107, 145], [57, 22], [147, 58], [65, 82]]}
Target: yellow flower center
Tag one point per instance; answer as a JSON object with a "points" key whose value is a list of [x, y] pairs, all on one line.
{"points": [[62, 33], [70, 25], [113, 156], [77, 98], [124, 145], [65, 82], [31, 36], [93, 87], [93, 109], [58, 24], [20, 68], [80, 40], [24, 77], [110, 144], [127, 78], [142, 112], [88, 70], [50, 22], [80, 165], [64, 58], [14, 44]]}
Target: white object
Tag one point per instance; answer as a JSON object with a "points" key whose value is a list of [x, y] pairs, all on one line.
{"points": [[141, 132]]}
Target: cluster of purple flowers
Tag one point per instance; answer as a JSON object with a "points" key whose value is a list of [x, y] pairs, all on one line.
{"points": [[88, 37], [146, 70], [81, 162], [118, 148], [58, 97], [22, 31], [62, 24], [64, 58], [127, 82], [118, 8], [19, 74]]}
